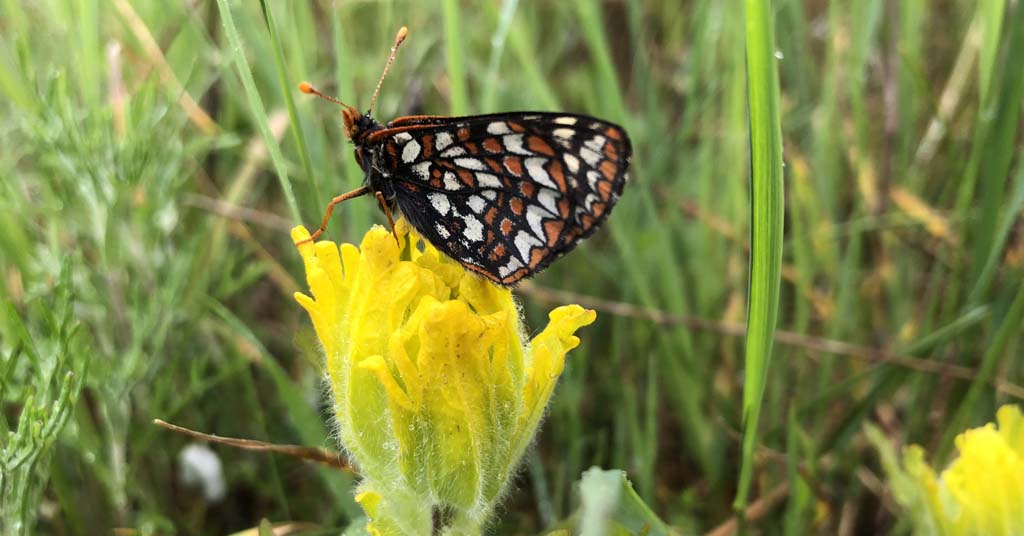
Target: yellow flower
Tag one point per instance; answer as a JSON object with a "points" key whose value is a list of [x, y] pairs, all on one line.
{"points": [[436, 396], [980, 493]]}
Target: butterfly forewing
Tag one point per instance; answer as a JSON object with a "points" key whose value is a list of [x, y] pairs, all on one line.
{"points": [[505, 194]]}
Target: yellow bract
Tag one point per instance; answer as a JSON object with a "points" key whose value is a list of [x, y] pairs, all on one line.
{"points": [[982, 490], [436, 395]]}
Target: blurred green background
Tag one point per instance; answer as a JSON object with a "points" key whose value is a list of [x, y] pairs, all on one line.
{"points": [[147, 271]]}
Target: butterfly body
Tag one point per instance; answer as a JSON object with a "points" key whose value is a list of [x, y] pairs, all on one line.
{"points": [[503, 194]]}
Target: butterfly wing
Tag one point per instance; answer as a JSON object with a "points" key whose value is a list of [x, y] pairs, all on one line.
{"points": [[506, 194]]}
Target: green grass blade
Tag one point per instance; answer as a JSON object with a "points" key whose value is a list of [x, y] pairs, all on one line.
{"points": [[1008, 329], [1009, 215], [992, 12], [455, 55], [1000, 138], [544, 96], [766, 224], [287, 90], [508, 12], [256, 104], [592, 25]]}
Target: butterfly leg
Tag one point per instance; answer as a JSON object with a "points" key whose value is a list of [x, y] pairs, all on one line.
{"points": [[387, 212], [362, 190]]}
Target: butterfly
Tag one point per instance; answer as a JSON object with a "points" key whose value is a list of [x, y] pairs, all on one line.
{"points": [[503, 194]]}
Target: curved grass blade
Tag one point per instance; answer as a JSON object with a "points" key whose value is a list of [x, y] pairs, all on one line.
{"points": [[766, 225], [287, 88], [259, 112]]}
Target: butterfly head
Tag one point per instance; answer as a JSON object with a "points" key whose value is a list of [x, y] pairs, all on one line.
{"points": [[357, 124]]}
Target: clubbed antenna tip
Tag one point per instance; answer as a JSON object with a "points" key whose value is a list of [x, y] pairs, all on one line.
{"points": [[308, 89], [399, 37]]}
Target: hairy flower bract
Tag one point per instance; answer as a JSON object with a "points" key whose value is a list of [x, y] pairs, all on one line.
{"points": [[980, 493], [437, 394]]}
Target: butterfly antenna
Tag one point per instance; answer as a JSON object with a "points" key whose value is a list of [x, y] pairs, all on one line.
{"points": [[310, 90], [402, 32]]}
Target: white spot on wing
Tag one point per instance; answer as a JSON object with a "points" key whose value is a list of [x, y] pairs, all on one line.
{"points": [[566, 133], [498, 128], [422, 170], [565, 120], [411, 151], [524, 243], [403, 137], [442, 231], [486, 180], [513, 264], [571, 162], [535, 219], [469, 163], [490, 195], [455, 150], [591, 156], [596, 143], [443, 140], [548, 199], [450, 182], [440, 203], [476, 204], [534, 166], [474, 229], [514, 144]]}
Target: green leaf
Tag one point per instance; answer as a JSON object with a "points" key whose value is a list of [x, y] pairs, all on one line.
{"points": [[766, 225], [259, 112]]}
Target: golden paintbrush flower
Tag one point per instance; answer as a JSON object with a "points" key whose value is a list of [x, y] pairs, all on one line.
{"points": [[980, 493], [436, 393]]}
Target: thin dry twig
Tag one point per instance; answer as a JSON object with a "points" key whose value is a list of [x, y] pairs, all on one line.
{"points": [[754, 512], [238, 212], [227, 205], [933, 220], [313, 454], [739, 329], [952, 94], [278, 273], [284, 528], [156, 57]]}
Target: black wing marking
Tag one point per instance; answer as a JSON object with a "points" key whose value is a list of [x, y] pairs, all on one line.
{"points": [[506, 194]]}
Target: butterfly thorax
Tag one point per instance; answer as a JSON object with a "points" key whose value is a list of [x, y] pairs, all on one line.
{"points": [[359, 128]]}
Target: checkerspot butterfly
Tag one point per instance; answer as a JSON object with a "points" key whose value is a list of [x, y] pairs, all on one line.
{"points": [[503, 194]]}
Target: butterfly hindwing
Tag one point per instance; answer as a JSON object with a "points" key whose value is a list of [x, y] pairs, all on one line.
{"points": [[505, 194]]}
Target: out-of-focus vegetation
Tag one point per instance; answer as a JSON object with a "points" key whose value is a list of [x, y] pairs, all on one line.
{"points": [[156, 154]]}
